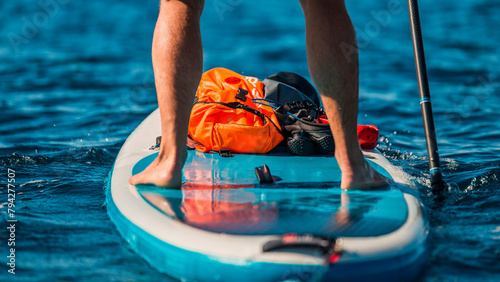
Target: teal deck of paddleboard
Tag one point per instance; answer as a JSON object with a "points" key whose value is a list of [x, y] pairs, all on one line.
{"points": [[223, 195]]}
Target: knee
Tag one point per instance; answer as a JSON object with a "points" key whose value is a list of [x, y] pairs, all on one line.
{"points": [[191, 6]]}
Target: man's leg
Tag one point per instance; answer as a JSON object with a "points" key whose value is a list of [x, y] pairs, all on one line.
{"points": [[178, 64], [337, 78]]}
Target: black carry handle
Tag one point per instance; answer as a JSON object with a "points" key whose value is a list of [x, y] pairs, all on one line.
{"points": [[437, 183], [330, 248]]}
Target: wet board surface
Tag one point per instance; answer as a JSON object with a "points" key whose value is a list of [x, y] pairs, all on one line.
{"points": [[223, 195]]}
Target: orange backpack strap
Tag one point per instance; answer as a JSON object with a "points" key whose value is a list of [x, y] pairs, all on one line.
{"points": [[236, 105]]}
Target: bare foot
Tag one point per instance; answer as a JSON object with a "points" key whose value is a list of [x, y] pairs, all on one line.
{"points": [[164, 171], [361, 176]]}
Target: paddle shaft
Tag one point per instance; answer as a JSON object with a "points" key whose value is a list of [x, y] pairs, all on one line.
{"points": [[437, 183]]}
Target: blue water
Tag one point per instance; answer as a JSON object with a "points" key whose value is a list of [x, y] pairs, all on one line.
{"points": [[76, 79]]}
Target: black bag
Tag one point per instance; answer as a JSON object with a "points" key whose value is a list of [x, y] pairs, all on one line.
{"points": [[298, 111]]}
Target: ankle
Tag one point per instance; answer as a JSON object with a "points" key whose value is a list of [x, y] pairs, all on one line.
{"points": [[173, 155], [350, 161]]}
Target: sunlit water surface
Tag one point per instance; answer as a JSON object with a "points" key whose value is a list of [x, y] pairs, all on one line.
{"points": [[76, 79]]}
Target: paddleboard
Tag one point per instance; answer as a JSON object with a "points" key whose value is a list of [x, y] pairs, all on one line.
{"points": [[224, 225]]}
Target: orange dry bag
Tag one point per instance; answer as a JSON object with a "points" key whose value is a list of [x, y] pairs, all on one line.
{"points": [[224, 115]]}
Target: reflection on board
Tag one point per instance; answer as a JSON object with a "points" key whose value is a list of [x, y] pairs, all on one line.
{"points": [[264, 210]]}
